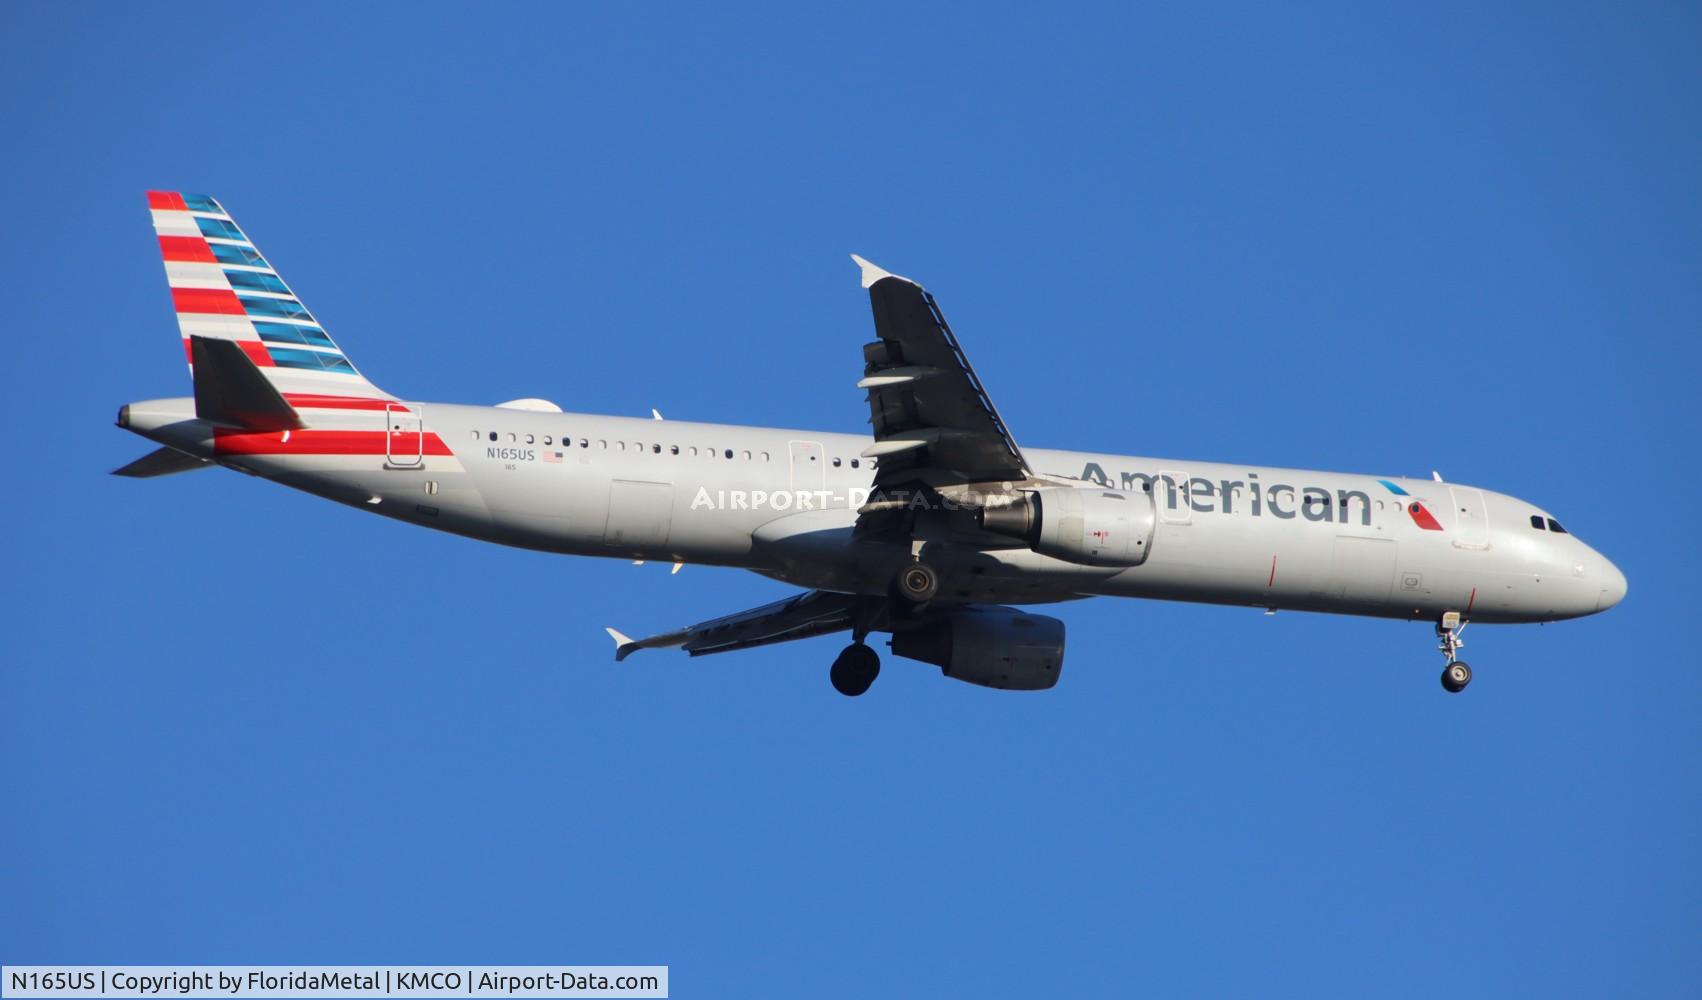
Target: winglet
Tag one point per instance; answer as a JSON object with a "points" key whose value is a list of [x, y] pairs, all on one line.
{"points": [[623, 644], [873, 273]]}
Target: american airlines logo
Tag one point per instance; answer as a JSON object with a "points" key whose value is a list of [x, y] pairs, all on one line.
{"points": [[1178, 492]]}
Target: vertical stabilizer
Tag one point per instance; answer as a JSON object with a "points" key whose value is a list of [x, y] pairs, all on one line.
{"points": [[224, 289]]}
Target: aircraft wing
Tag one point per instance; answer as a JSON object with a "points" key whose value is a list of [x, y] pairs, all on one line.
{"points": [[814, 612], [933, 421]]}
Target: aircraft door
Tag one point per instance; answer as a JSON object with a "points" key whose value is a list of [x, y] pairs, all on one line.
{"points": [[404, 436], [809, 466], [1471, 518], [640, 515]]}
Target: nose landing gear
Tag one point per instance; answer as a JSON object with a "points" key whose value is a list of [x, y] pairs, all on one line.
{"points": [[1457, 674]]}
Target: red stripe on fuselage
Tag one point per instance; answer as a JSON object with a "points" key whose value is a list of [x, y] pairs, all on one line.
{"points": [[186, 248], [169, 201], [221, 301], [314, 401], [322, 443]]}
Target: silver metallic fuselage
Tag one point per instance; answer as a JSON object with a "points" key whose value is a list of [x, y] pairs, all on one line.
{"points": [[667, 491]]}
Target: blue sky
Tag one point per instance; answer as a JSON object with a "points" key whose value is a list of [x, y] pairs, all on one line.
{"points": [[242, 725]]}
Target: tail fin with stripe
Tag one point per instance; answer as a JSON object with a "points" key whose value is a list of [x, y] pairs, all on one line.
{"points": [[223, 289]]}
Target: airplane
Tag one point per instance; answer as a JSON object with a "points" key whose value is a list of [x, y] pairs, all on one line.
{"points": [[932, 529]]}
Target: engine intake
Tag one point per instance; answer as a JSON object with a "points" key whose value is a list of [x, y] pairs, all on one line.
{"points": [[1090, 526], [992, 646]]}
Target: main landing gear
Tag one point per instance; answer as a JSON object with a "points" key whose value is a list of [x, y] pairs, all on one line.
{"points": [[917, 583], [856, 668], [1457, 674]]}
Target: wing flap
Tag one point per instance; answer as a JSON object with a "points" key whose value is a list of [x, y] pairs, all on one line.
{"points": [[815, 612]]}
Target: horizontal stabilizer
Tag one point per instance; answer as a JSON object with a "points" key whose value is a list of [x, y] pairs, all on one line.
{"points": [[230, 389], [161, 462]]}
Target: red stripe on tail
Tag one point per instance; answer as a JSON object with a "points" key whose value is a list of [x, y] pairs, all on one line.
{"points": [[187, 248], [257, 353], [255, 350], [207, 300], [169, 201]]}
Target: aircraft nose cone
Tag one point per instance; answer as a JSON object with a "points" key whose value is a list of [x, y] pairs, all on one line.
{"points": [[1613, 586]]}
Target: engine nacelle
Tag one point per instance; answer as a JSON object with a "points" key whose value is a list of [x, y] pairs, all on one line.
{"points": [[1087, 525], [992, 646]]}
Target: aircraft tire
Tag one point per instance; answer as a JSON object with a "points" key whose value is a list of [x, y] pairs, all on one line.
{"points": [[917, 583], [855, 670], [1456, 676]]}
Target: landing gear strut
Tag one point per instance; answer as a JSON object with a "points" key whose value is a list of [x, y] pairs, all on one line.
{"points": [[855, 669], [1457, 674]]}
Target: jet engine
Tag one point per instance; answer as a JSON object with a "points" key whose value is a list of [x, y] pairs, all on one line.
{"points": [[992, 646], [1090, 526]]}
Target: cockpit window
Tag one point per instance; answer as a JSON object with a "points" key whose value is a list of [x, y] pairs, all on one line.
{"points": [[1536, 521], [1554, 526]]}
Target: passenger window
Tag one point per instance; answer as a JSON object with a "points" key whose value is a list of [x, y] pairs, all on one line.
{"points": [[836, 463], [1536, 521], [510, 437], [493, 435], [1555, 527], [694, 451], [765, 456], [729, 453], [548, 439], [853, 463], [655, 449], [584, 442], [747, 456], [673, 449], [475, 435], [530, 440]]}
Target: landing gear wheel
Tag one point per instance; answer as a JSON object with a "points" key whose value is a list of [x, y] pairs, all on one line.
{"points": [[854, 670], [1456, 675], [917, 583]]}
